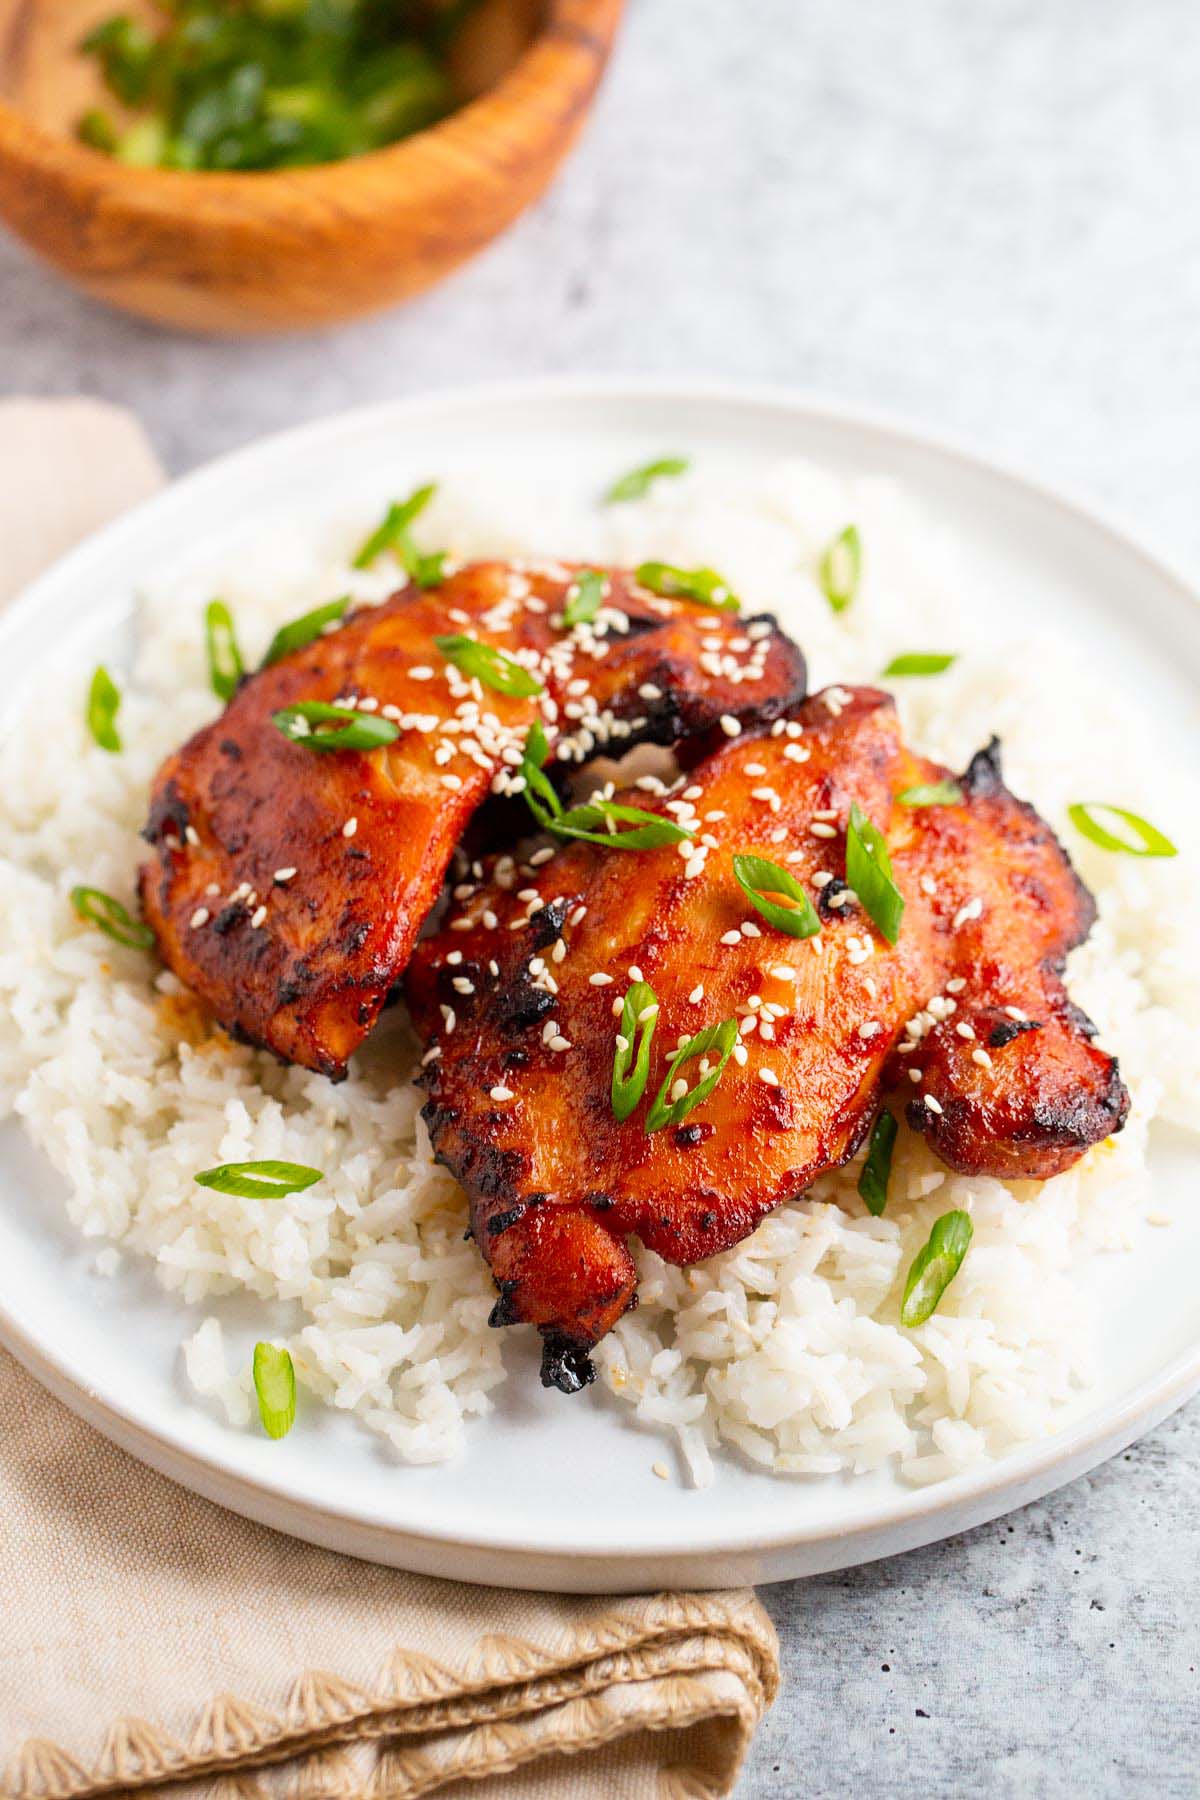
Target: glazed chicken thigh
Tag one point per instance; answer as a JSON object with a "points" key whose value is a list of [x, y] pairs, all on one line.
{"points": [[964, 1019], [288, 885]]}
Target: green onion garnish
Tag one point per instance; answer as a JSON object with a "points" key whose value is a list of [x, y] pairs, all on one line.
{"points": [[869, 873], [650, 831], [275, 1385], [841, 568], [489, 665], [757, 877], [873, 1178], [104, 702], [669, 1111], [637, 484], [585, 597], [540, 793], [932, 793], [304, 630], [935, 1267], [259, 1180], [704, 586], [100, 909], [352, 730], [918, 662], [631, 1058], [1152, 842], [392, 533], [224, 657]]}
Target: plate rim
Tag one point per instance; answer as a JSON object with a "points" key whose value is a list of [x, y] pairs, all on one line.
{"points": [[1096, 1434]]}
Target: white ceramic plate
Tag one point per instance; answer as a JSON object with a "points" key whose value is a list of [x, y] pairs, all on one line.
{"points": [[555, 1494]]}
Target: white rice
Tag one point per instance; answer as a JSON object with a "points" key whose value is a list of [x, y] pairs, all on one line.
{"points": [[786, 1349]]}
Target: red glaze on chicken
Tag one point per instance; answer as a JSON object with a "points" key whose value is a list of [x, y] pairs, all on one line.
{"points": [[965, 1019], [288, 885]]}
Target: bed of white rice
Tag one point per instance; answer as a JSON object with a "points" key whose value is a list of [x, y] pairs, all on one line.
{"points": [[787, 1349]]}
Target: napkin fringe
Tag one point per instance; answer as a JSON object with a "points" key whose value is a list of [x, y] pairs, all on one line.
{"points": [[663, 1643]]}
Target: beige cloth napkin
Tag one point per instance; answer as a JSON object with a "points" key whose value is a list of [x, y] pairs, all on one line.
{"points": [[151, 1643]]}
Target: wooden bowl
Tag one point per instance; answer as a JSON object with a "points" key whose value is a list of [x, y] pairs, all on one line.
{"points": [[288, 249]]}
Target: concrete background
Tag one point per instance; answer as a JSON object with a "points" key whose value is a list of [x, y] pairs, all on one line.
{"points": [[986, 214]]}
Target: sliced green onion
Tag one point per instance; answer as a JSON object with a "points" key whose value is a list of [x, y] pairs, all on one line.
{"points": [[353, 730], [489, 665], [275, 1385], [650, 831], [392, 531], [873, 1178], [918, 662], [935, 1267], [757, 877], [840, 569], [585, 598], [637, 484], [224, 657], [704, 586], [104, 703], [932, 793], [666, 1111], [869, 873], [259, 1180], [1152, 841], [100, 909], [540, 793], [631, 1064], [305, 630]]}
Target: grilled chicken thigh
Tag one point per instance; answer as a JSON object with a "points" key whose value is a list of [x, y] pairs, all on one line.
{"points": [[965, 1018], [288, 885]]}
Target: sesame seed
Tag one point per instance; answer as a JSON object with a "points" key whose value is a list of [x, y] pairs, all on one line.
{"points": [[199, 917], [749, 929], [489, 920], [697, 994], [462, 985], [422, 672], [756, 768], [212, 889], [914, 1075], [1015, 1012], [282, 875], [741, 1055], [694, 866], [769, 1077], [933, 1105], [870, 1029], [452, 782], [635, 974], [558, 1042], [257, 917], [679, 1088], [818, 829], [732, 937], [618, 1006], [600, 979], [966, 913], [964, 1030], [730, 726], [928, 884], [349, 828], [454, 958], [782, 972], [191, 834], [431, 1056], [982, 1058], [500, 1093], [956, 985]]}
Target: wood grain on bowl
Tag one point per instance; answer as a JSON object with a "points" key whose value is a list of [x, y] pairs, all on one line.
{"points": [[291, 249]]}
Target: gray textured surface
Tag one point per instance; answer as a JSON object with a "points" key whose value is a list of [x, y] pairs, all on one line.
{"points": [[984, 213]]}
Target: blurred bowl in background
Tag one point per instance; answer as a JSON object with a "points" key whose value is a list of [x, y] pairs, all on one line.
{"points": [[288, 249]]}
